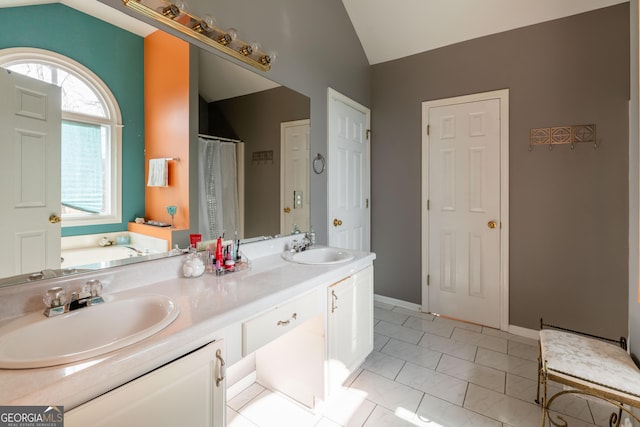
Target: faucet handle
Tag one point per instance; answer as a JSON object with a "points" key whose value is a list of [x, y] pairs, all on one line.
{"points": [[92, 287], [55, 297]]}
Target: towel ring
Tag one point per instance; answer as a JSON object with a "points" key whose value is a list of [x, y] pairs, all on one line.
{"points": [[319, 164]]}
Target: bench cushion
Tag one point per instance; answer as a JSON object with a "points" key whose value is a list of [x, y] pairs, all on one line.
{"points": [[592, 360]]}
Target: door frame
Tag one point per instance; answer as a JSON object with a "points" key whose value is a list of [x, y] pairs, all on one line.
{"points": [[503, 96], [333, 94]]}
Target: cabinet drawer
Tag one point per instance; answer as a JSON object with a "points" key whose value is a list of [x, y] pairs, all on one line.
{"points": [[278, 321]]}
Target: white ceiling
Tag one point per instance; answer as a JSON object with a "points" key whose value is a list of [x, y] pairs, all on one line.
{"points": [[394, 29]]}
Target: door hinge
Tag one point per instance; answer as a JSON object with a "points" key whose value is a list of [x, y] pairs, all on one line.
{"points": [[368, 133], [366, 203], [428, 279], [428, 204], [428, 130]]}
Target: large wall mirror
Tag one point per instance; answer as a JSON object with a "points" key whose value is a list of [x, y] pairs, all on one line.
{"points": [[234, 103]]}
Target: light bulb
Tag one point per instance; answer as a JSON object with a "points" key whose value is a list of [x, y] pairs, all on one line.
{"points": [[228, 38], [269, 58], [248, 49], [205, 26], [171, 11], [181, 4], [210, 21], [232, 33]]}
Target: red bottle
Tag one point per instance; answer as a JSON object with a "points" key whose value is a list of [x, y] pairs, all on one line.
{"points": [[219, 258]]}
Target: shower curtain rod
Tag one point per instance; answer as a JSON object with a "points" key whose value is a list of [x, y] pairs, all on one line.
{"points": [[202, 135]]}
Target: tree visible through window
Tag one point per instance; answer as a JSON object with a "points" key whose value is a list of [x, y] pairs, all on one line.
{"points": [[90, 140]]}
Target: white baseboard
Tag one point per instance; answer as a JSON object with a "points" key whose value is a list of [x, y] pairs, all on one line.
{"points": [[513, 329], [397, 302], [524, 332]]}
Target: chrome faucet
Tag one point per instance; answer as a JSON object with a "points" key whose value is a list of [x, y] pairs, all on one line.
{"points": [[56, 301], [137, 251], [301, 245]]}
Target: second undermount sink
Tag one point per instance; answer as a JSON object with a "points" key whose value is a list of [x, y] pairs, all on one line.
{"points": [[323, 255], [36, 341]]}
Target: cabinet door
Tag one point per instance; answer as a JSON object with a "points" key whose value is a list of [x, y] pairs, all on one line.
{"points": [[186, 392], [350, 324]]}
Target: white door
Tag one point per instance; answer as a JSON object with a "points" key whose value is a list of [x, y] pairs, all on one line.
{"points": [[294, 176], [348, 170], [30, 114], [464, 210]]}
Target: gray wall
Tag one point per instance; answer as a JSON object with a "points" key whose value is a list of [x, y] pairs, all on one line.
{"points": [[255, 119], [568, 209], [317, 48]]}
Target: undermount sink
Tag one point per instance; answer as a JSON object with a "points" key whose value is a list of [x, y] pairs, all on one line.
{"points": [[323, 255], [36, 341]]}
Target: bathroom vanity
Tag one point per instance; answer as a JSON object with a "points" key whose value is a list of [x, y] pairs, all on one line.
{"points": [[303, 328]]}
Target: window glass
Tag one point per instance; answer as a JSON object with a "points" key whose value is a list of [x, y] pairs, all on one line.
{"points": [[83, 159], [77, 96]]}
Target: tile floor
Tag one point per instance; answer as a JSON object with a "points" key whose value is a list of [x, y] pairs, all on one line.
{"points": [[427, 371]]}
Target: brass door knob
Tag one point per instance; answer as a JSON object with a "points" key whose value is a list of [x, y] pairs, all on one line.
{"points": [[337, 222], [492, 224], [54, 219], [287, 209]]}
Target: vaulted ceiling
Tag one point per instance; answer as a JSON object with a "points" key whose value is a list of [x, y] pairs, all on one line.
{"points": [[394, 29], [387, 30]]}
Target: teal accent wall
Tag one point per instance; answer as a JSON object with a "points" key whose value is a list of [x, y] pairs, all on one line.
{"points": [[117, 57]]}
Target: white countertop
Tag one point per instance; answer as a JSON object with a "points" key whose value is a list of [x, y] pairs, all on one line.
{"points": [[207, 304]]}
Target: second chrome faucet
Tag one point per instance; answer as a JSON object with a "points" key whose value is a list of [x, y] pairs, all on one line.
{"points": [[56, 301]]}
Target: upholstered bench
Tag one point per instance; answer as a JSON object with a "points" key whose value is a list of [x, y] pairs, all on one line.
{"points": [[588, 365]]}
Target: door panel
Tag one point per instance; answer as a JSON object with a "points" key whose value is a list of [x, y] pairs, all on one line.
{"points": [[30, 117], [294, 176], [349, 174], [464, 197]]}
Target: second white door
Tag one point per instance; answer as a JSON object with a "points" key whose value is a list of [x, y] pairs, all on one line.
{"points": [[464, 210], [348, 173]]}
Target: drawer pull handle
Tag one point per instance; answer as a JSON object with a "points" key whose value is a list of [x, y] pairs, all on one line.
{"points": [[294, 316], [220, 368], [334, 298]]}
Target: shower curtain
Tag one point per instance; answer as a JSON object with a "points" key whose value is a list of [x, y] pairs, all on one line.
{"points": [[218, 189]]}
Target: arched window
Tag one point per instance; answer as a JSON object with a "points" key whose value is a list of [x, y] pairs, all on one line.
{"points": [[91, 135]]}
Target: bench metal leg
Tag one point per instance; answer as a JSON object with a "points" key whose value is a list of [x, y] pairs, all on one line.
{"points": [[614, 420], [539, 373]]}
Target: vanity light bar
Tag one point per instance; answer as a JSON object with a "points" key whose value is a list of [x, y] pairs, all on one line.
{"points": [[203, 30]]}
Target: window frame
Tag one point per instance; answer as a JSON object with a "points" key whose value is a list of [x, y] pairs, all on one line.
{"points": [[11, 56]]}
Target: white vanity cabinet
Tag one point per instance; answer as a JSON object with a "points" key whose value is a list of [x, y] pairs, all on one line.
{"points": [[349, 325], [189, 391]]}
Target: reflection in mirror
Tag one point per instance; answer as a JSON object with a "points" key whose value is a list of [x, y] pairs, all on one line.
{"points": [[234, 103]]}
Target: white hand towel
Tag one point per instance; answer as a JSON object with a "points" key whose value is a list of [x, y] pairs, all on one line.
{"points": [[158, 173]]}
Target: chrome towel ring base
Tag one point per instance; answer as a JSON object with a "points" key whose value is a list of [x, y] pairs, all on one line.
{"points": [[319, 164]]}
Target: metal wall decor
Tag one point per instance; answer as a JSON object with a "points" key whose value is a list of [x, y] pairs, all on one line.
{"points": [[262, 157], [563, 135]]}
